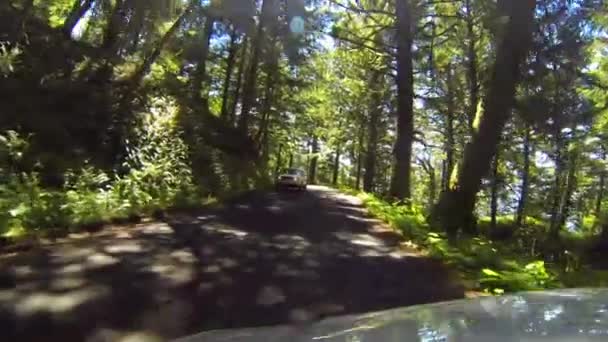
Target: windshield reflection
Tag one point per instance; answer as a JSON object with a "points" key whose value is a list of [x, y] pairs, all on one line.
{"points": [[529, 317]]}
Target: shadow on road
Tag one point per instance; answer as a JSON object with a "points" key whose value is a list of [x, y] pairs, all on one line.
{"points": [[262, 259]]}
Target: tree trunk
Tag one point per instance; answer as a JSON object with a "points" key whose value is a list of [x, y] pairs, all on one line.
{"points": [[400, 182], [269, 93], [557, 182], [200, 74], [600, 193], [565, 202], [360, 155], [144, 69], [290, 160], [494, 190], [525, 180], [113, 28], [239, 81], [372, 140], [277, 168], [336, 166], [432, 186], [249, 90], [79, 9], [312, 173], [472, 78], [228, 76], [455, 208], [449, 131]]}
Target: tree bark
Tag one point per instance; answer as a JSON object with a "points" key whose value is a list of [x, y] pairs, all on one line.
{"points": [[232, 50], [239, 80], [336, 166], [277, 168], [565, 201], [200, 74], [600, 194], [144, 69], [494, 190], [455, 208], [249, 93], [472, 78], [113, 28], [525, 180], [79, 9], [449, 131], [372, 139], [359, 155], [312, 171], [557, 182], [400, 182]]}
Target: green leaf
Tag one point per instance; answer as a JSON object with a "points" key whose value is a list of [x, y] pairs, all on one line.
{"points": [[19, 210], [490, 272]]}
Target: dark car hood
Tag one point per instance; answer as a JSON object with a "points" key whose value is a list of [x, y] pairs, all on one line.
{"points": [[565, 315]]}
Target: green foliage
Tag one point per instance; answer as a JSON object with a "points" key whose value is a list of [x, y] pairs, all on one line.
{"points": [[492, 266], [158, 177], [532, 276], [8, 58]]}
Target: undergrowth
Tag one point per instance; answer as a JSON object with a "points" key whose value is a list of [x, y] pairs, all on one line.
{"points": [[485, 265], [155, 177]]}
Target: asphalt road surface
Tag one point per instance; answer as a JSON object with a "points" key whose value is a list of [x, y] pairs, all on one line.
{"points": [[262, 259]]}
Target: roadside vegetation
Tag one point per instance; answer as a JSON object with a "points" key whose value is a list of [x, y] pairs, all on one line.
{"points": [[490, 264]]}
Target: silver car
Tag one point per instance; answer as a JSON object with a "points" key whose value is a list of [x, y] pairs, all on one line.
{"points": [[292, 178]]}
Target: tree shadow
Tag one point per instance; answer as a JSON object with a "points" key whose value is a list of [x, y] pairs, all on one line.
{"points": [[262, 259], [277, 258]]}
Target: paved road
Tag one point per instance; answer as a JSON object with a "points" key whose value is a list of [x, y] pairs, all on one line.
{"points": [[262, 259]]}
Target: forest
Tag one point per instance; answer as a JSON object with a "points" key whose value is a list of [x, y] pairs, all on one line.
{"points": [[477, 128]]}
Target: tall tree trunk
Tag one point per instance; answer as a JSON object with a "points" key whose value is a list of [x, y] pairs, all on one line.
{"points": [[228, 76], [427, 165], [432, 186], [249, 90], [143, 70], [360, 152], [455, 208], [336, 166], [200, 74], [372, 140], [272, 75], [494, 190], [600, 193], [279, 164], [557, 181], [113, 28], [472, 78], [525, 180], [565, 201], [400, 182], [79, 9], [290, 160], [312, 171], [449, 131], [239, 80]]}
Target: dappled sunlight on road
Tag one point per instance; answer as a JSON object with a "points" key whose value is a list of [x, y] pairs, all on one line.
{"points": [[265, 258]]}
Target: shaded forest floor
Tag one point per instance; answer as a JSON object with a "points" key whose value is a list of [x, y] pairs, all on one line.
{"points": [[260, 259]]}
